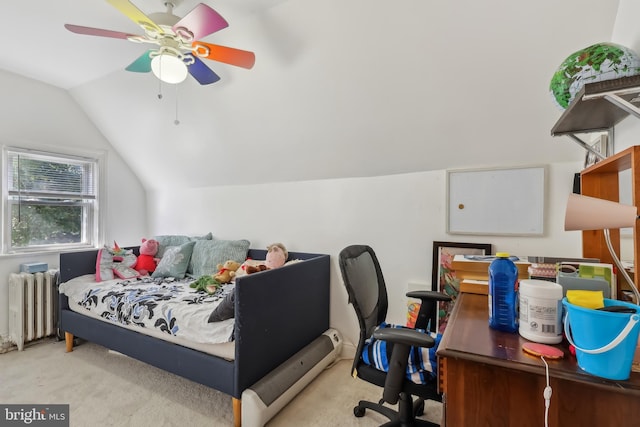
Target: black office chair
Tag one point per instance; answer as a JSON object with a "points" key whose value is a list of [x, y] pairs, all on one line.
{"points": [[368, 294]]}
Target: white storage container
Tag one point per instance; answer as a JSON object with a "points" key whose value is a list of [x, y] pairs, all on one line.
{"points": [[541, 311]]}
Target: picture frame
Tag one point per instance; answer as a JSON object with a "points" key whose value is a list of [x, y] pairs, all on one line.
{"points": [[601, 145], [443, 276]]}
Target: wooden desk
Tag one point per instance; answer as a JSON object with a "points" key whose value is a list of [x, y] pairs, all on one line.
{"points": [[488, 380]]}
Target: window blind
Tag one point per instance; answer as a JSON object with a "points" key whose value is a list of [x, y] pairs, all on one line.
{"points": [[37, 175]]}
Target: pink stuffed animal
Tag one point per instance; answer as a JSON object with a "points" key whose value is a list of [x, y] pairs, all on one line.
{"points": [[276, 257], [146, 261]]}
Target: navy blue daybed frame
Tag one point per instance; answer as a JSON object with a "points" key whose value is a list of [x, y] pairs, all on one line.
{"points": [[277, 313]]}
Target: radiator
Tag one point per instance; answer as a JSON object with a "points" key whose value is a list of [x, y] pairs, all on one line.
{"points": [[269, 395], [32, 306]]}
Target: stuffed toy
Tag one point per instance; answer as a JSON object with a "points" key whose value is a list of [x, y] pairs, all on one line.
{"points": [[147, 262], [227, 271], [206, 284], [276, 257], [115, 262]]}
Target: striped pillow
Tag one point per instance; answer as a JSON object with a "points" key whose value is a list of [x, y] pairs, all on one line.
{"points": [[422, 365]]}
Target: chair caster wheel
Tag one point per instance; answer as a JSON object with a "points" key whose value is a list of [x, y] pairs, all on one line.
{"points": [[358, 411]]}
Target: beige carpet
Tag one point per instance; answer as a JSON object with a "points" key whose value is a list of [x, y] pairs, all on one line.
{"points": [[108, 389]]}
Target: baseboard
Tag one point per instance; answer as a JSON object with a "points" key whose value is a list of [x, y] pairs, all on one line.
{"points": [[6, 345], [348, 351]]}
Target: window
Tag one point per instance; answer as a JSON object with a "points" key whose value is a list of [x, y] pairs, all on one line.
{"points": [[50, 201]]}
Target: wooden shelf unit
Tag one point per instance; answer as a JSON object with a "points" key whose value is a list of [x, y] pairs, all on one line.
{"points": [[602, 180]]}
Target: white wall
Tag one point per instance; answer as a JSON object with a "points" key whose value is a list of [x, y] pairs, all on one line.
{"points": [[399, 216], [626, 33], [36, 115], [627, 133]]}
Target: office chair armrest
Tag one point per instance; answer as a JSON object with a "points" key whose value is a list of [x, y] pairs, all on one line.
{"points": [[428, 307], [407, 337], [403, 340], [429, 295]]}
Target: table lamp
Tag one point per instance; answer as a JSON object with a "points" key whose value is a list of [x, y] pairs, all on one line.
{"points": [[591, 213]]}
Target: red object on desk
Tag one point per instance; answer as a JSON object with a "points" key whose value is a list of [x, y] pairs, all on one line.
{"points": [[537, 349]]}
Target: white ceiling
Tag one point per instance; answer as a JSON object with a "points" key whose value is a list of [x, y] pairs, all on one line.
{"points": [[341, 88]]}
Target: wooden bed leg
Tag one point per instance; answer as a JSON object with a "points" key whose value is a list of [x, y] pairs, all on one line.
{"points": [[237, 412], [68, 339]]}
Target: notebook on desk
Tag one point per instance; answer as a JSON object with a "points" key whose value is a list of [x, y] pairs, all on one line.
{"points": [[589, 276]]}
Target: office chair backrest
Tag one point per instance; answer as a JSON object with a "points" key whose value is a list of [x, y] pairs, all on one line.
{"points": [[366, 288]]}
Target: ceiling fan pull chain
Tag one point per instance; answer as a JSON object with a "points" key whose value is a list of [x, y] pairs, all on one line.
{"points": [[160, 83], [176, 121]]}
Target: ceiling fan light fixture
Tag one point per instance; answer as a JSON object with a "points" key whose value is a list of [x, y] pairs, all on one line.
{"points": [[169, 68], [179, 51]]}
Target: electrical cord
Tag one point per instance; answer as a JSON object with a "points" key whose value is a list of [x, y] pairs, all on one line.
{"points": [[621, 269], [546, 394]]}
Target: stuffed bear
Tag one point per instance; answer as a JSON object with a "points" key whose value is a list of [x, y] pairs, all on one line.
{"points": [[147, 262], [276, 257], [227, 271]]}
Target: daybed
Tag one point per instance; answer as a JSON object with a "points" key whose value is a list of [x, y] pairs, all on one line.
{"points": [[277, 313]]}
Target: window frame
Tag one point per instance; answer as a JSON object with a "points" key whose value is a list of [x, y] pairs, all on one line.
{"points": [[93, 221]]}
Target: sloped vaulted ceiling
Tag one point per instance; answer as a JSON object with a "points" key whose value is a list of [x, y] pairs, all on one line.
{"points": [[339, 89]]}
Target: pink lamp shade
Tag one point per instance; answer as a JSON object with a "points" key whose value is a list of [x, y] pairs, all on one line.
{"points": [[591, 213]]}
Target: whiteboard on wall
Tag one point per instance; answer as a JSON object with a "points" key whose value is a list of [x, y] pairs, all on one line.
{"points": [[505, 201]]}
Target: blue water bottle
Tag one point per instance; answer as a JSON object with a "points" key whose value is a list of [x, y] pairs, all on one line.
{"points": [[503, 288]]}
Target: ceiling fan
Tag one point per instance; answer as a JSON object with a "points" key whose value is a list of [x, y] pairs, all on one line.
{"points": [[178, 48]]}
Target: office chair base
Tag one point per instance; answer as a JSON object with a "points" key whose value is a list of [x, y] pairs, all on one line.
{"points": [[404, 417]]}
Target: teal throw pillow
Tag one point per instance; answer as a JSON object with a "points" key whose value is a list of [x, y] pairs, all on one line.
{"points": [[175, 261], [167, 240], [207, 254]]}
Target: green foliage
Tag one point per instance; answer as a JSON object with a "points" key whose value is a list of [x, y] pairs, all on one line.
{"points": [[43, 225]]}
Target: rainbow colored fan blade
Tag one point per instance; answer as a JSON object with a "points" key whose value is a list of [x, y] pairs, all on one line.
{"points": [[201, 21], [203, 74], [78, 29], [142, 64], [136, 15], [228, 55]]}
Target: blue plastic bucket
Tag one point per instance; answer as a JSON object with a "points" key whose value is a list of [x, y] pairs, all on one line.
{"points": [[605, 341]]}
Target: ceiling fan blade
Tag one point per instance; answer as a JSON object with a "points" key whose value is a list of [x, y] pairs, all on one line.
{"points": [[228, 55], [136, 15], [203, 74], [78, 29], [201, 21], [142, 64]]}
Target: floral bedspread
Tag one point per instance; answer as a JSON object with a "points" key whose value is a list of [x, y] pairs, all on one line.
{"points": [[166, 305]]}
